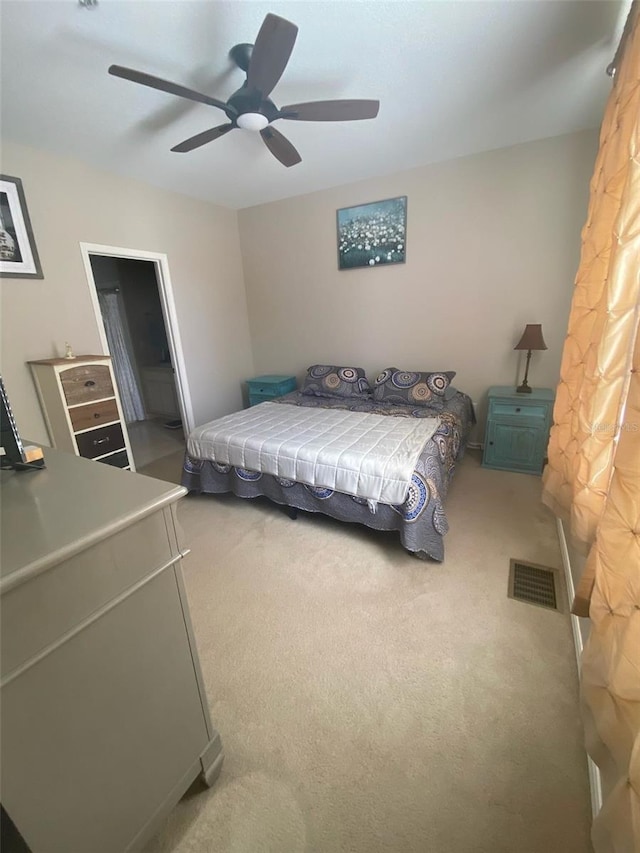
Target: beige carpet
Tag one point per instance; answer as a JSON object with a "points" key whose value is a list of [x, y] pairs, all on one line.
{"points": [[368, 701]]}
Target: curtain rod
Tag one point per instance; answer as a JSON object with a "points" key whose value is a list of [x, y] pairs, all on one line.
{"points": [[626, 32]]}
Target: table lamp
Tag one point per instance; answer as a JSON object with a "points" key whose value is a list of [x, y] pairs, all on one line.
{"points": [[531, 340]]}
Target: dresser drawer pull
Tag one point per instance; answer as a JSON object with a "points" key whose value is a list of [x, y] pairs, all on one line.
{"points": [[97, 441], [96, 415], [89, 383]]}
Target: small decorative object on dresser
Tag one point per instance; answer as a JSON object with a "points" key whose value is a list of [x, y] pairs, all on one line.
{"points": [[82, 408], [517, 429], [263, 388]]}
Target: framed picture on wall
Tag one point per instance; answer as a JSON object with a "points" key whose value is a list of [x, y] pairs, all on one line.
{"points": [[18, 253], [373, 234]]}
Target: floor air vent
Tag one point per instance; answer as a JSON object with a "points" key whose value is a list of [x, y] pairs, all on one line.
{"points": [[533, 584]]}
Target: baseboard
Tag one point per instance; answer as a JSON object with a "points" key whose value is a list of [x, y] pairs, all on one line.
{"points": [[595, 783]]}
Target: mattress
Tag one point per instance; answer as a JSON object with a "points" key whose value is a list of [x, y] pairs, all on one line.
{"points": [[363, 454]]}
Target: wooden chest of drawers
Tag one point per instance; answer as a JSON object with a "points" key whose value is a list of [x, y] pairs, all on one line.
{"points": [[81, 406]]}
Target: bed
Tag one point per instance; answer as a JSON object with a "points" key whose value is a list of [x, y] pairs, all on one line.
{"points": [[420, 518]]}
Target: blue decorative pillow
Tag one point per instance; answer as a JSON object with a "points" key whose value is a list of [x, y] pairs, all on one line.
{"points": [[327, 380], [417, 389]]}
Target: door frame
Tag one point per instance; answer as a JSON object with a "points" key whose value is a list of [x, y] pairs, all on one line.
{"points": [[165, 291]]}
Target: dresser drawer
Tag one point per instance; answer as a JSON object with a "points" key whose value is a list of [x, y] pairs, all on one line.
{"points": [[86, 383], [117, 460], [100, 441], [36, 613], [94, 414], [516, 409]]}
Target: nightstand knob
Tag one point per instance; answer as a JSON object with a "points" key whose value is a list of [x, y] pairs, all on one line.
{"points": [[518, 409], [490, 442]]}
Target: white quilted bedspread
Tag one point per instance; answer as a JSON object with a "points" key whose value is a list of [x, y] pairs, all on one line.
{"points": [[358, 453]]}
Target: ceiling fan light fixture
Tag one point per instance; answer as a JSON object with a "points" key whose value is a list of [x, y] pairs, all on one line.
{"points": [[250, 107], [252, 121]]}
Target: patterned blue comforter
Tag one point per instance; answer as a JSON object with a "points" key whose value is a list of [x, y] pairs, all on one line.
{"points": [[420, 520]]}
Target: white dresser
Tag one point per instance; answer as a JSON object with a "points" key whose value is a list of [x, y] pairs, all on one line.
{"points": [[81, 406], [105, 721]]}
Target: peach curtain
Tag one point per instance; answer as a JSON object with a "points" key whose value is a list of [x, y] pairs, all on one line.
{"points": [[593, 476]]}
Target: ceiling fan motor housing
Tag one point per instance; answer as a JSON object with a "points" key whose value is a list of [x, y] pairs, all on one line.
{"points": [[241, 55], [247, 100]]}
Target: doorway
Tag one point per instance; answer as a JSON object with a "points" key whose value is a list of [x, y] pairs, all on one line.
{"points": [[131, 297]]}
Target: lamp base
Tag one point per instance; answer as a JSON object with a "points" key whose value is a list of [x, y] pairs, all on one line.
{"points": [[523, 389]]}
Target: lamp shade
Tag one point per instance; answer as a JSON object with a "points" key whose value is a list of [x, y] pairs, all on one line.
{"points": [[531, 338]]}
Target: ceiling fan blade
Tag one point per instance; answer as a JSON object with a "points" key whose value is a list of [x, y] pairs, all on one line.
{"points": [[331, 111], [271, 53], [280, 146], [165, 86], [202, 138]]}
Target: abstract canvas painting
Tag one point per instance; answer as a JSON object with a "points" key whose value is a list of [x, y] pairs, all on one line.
{"points": [[373, 234]]}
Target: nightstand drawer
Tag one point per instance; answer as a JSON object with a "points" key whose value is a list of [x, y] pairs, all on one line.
{"points": [[516, 410], [271, 386]]}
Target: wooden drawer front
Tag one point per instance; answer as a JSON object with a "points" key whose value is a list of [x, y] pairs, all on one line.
{"points": [[52, 603], [117, 460], [85, 417], [515, 409], [100, 441], [86, 383]]}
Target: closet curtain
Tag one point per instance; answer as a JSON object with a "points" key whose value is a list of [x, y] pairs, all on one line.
{"points": [[592, 480], [130, 398]]}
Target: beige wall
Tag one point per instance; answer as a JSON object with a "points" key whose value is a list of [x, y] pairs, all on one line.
{"points": [[70, 203], [492, 244]]}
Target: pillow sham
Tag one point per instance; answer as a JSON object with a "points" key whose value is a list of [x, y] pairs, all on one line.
{"points": [[415, 388], [328, 380], [450, 393]]}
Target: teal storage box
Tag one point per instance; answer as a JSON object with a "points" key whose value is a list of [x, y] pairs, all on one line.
{"points": [[263, 388]]}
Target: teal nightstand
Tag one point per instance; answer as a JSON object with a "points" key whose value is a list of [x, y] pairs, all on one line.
{"points": [[517, 429], [263, 388]]}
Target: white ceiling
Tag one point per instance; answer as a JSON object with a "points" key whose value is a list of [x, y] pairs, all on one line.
{"points": [[453, 78]]}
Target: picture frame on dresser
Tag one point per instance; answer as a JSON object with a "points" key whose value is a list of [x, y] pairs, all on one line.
{"points": [[18, 253]]}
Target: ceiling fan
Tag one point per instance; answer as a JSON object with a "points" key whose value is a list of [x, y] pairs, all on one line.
{"points": [[251, 107]]}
